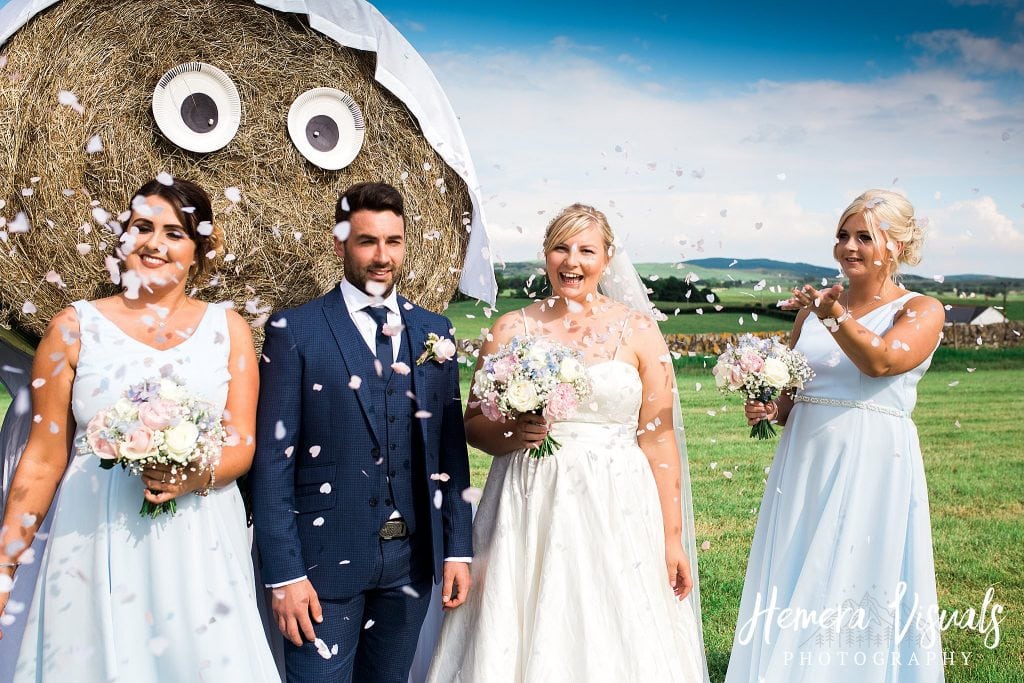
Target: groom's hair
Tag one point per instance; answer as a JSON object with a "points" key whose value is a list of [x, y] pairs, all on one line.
{"points": [[369, 197]]}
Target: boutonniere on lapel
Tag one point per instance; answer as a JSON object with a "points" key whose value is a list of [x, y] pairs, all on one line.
{"points": [[437, 348]]}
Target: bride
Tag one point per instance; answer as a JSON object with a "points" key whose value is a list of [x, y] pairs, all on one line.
{"points": [[583, 558]]}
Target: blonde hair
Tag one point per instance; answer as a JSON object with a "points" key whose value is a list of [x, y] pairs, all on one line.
{"points": [[574, 219], [890, 218]]}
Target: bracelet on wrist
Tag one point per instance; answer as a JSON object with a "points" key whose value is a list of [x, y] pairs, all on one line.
{"points": [[833, 323], [205, 491]]}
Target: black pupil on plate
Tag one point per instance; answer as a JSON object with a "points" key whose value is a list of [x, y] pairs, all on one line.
{"points": [[322, 133], [199, 112]]}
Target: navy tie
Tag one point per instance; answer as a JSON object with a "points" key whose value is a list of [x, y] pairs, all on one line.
{"points": [[383, 342]]}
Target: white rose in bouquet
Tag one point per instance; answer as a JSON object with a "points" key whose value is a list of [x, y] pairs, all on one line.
{"points": [[172, 391], [775, 373], [180, 440], [537, 356], [522, 396], [124, 409], [570, 370]]}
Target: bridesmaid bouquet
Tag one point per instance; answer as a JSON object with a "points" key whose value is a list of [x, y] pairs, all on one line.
{"points": [[156, 422], [761, 369], [532, 375]]}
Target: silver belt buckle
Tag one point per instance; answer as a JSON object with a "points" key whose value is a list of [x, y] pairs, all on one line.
{"points": [[394, 528]]}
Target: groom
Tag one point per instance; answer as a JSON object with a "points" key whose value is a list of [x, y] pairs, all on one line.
{"points": [[360, 461]]}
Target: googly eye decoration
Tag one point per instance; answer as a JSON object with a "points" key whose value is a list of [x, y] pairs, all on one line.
{"points": [[196, 105], [327, 127]]}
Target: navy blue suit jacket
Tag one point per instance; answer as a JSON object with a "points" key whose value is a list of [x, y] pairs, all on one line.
{"points": [[313, 429]]}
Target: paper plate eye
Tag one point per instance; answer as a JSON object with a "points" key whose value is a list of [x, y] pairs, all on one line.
{"points": [[197, 107], [327, 127]]}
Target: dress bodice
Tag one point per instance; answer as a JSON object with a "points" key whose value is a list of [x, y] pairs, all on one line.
{"points": [[109, 361], [613, 408], [835, 375]]}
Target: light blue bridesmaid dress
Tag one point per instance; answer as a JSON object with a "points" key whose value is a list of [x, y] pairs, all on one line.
{"points": [[843, 538], [126, 598]]}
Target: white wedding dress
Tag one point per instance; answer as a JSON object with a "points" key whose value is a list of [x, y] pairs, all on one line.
{"points": [[121, 597], [569, 576]]}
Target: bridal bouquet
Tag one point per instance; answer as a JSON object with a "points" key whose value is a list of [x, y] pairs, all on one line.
{"points": [[532, 375], [156, 422], [761, 369]]}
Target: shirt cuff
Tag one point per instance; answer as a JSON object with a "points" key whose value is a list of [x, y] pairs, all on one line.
{"points": [[284, 583], [467, 560]]}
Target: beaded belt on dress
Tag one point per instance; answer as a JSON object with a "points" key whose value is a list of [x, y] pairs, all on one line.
{"points": [[844, 403]]}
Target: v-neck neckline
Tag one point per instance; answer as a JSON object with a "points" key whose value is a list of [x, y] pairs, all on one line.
{"points": [[184, 341]]}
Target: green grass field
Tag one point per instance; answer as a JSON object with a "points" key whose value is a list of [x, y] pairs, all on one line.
{"points": [[469, 317], [970, 436]]}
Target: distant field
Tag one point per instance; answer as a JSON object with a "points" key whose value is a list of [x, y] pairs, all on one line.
{"points": [[688, 321]]}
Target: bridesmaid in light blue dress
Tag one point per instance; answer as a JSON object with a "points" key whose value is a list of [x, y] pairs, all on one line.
{"points": [[843, 539], [122, 597]]}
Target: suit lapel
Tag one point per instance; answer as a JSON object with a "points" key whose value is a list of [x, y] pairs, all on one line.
{"points": [[351, 345], [415, 326]]}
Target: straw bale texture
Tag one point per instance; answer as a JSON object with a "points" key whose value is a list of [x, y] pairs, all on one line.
{"points": [[279, 236]]}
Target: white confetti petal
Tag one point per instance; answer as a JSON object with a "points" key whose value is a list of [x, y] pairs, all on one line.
{"points": [[94, 146], [233, 194], [19, 224], [322, 649], [472, 495], [342, 230], [319, 521], [325, 487], [164, 178], [355, 382], [158, 645]]}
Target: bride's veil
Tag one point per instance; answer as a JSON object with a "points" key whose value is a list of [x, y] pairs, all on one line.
{"points": [[622, 283]]}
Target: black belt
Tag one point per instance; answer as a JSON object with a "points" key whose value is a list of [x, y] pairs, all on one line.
{"points": [[394, 528]]}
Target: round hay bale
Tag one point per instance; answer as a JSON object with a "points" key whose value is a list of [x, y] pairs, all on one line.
{"points": [[278, 237]]}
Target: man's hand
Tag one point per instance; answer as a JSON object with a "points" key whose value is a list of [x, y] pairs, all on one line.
{"points": [[455, 584], [293, 605]]}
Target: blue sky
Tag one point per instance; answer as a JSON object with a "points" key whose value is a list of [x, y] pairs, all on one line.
{"points": [[692, 123], [739, 129]]}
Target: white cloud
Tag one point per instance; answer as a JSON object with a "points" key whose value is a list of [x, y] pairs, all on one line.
{"points": [[975, 52], [971, 231], [554, 127]]}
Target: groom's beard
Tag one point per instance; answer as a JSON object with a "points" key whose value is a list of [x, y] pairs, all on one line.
{"points": [[372, 287]]}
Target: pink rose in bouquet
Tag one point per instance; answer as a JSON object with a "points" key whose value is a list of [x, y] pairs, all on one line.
{"points": [[95, 437], [157, 414], [138, 444], [562, 403]]}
